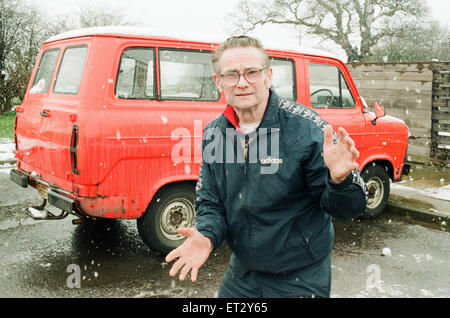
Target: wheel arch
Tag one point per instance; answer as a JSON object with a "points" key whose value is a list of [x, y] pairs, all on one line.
{"points": [[167, 187], [386, 164], [156, 226]]}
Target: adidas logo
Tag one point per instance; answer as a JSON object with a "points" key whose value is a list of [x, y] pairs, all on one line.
{"points": [[271, 160]]}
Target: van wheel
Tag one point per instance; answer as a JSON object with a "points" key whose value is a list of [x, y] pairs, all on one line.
{"points": [[378, 186], [171, 208]]}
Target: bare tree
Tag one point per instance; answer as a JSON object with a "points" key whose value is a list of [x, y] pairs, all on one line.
{"points": [[20, 36], [354, 25], [415, 43], [99, 16], [23, 28], [102, 14]]}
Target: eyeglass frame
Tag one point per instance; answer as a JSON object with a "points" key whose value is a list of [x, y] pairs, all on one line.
{"points": [[243, 74]]}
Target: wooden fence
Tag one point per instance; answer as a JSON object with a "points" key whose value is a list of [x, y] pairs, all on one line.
{"points": [[417, 93]]}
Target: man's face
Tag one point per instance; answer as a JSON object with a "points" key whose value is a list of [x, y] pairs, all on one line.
{"points": [[244, 95]]}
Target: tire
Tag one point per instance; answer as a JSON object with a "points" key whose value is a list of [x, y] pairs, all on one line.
{"points": [[172, 207], [378, 186]]}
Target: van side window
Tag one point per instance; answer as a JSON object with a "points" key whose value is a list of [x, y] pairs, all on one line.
{"points": [[70, 71], [187, 75], [136, 76], [44, 73], [283, 78], [328, 87]]}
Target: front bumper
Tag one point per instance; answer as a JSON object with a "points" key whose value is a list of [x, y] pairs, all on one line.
{"points": [[406, 169]]}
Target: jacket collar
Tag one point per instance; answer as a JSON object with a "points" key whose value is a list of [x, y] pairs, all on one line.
{"points": [[270, 118]]}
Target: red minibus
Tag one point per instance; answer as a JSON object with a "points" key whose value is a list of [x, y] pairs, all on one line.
{"points": [[111, 126]]}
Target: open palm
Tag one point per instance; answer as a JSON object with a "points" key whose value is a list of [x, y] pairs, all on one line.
{"points": [[190, 255], [340, 157]]}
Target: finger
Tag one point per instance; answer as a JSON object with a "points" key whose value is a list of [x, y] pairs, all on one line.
{"points": [[349, 142], [342, 134], [328, 136], [175, 253], [194, 273], [185, 231], [355, 153], [184, 271], [176, 267]]}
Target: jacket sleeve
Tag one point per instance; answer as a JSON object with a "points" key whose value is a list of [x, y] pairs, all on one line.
{"points": [[346, 200], [210, 219]]}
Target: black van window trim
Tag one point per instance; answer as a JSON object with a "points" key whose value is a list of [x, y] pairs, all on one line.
{"points": [[294, 73], [39, 66], [340, 77], [60, 64], [155, 92], [163, 49]]}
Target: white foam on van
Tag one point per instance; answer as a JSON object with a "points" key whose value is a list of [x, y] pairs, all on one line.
{"points": [[185, 36]]}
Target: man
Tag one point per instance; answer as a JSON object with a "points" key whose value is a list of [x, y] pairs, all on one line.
{"points": [[277, 223]]}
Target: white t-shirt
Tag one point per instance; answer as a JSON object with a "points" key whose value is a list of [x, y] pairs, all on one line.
{"points": [[248, 128]]}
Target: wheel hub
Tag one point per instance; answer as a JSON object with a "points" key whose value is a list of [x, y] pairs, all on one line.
{"points": [[178, 213], [176, 216], [375, 191]]}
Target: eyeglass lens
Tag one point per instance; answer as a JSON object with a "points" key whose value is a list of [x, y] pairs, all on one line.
{"points": [[251, 76]]}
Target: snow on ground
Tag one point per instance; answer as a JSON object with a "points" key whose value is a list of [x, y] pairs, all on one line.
{"points": [[7, 148], [442, 193]]}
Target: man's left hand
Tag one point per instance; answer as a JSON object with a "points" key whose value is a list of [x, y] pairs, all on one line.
{"points": [[340, 158]]}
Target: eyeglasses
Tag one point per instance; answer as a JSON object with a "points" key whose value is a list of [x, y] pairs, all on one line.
{"points": [[251, 75]]}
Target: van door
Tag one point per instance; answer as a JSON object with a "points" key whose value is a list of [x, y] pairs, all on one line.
{"points": [[330, 94], [44, 130]]}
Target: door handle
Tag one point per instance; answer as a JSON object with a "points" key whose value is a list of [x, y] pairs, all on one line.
{"points": [[45, 113], [73, 150]]}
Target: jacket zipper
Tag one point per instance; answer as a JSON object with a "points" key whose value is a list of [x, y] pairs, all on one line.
{"points": [[245, 207], [246, 153]]}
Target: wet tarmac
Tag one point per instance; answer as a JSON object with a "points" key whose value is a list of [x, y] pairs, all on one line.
{"points": [[43, 258]]}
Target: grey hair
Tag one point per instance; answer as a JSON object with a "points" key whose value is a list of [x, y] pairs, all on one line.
{"points": [[237, 42]]}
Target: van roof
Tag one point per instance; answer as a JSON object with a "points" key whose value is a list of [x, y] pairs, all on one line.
{"points": [[164, 34]]}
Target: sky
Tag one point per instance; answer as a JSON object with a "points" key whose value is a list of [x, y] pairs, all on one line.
{"points": [[206, 16]]}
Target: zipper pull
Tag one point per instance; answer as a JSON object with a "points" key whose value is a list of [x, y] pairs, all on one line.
{"points": [[246, 148], [245, 154]]}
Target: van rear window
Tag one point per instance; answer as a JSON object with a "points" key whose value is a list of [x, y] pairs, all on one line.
{"points": [[187, 75], [44, 73], [136, 76], [70, 72]]}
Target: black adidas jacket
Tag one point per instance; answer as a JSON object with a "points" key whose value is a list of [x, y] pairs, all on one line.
{"points": [[273, 207]]}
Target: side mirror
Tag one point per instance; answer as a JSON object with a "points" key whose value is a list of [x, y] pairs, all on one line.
{"points": [[379, 111]]}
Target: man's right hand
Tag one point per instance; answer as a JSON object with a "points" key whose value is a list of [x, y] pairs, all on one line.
{"points": [[192, 254]]}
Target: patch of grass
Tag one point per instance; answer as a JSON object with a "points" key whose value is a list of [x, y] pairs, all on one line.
{"points": [[7, 125]]}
